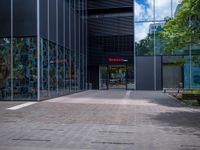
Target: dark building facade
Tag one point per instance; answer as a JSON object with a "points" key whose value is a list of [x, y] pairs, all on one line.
{"points": [[43, 45], [50, 48], [111, 44]]}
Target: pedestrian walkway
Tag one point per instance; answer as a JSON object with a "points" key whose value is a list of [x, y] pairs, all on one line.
{"points": [[102, 120]]}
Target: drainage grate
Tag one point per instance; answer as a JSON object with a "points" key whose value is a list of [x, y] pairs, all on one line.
{"points": [[33, 140], [114, 143]]}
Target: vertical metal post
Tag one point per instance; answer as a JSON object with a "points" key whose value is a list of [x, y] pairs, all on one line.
{"points": [[155, 70], [11, 51], [64, 47], [70, 46], [171, 9], [79, 26], [190, 53], [75, 48], [48, 38], [57, 47], [135, 69], [38, 50], [190, 57], [86, 19]]}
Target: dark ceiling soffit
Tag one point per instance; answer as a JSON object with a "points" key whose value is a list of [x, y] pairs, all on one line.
{"points": [[109, 11]]}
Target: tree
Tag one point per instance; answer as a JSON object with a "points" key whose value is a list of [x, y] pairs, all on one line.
{"points": [[184, 29]]}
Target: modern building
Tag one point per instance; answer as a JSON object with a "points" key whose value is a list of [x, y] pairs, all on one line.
{"points": [[50, 48], [43, 45], [111, 44]]}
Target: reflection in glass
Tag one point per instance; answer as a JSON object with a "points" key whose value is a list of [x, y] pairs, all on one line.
{"points": [[52, 69], [61, 61], [103, 77], [67, 71], [130, 77], [72, 71], [144, 10], [5, 64], [44, 68], [144, 39], [25, 68]]}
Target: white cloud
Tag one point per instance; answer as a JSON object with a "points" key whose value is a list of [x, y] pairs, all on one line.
{"points": [[141, 31], [144, 12]]}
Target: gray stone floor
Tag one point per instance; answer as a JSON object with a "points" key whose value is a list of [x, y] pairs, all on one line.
{"points": [[101, 120]]}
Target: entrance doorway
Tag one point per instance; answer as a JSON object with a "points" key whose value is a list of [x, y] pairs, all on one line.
{"points": [[116, 77]]}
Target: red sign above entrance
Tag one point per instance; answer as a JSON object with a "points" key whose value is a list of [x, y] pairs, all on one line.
{"points": [[117, 60]]}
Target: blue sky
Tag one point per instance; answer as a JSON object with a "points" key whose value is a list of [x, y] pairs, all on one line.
{"points": [[143, 2], [144, 12]]}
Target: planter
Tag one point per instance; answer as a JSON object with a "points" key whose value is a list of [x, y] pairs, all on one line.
{"points": [[191, 97]]}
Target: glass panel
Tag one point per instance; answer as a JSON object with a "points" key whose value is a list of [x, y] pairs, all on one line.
{"points": [[172, 71], [72, 75], [44, 68], [52, 69], [175, 6], [187, 73], [117, 77], [144, 10], [144, 39], [130, 77], [157, 28], [61, 70], [163, 9], [67, 71], [103, 77], [5, 69], [195, 73], [25, 68]]}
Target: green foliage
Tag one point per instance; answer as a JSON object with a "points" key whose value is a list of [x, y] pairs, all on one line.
{"points": [[184, 29], [145, 46], [180, 61], [196, 60]]}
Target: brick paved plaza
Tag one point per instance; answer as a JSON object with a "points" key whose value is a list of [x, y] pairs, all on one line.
{"points": [[101, 120]]}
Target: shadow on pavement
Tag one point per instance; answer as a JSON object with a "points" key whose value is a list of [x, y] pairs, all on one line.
{"points": [[182, 119]]}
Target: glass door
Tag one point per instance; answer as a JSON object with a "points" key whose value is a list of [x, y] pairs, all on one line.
{"points": [[103, 77], [117, 77]]}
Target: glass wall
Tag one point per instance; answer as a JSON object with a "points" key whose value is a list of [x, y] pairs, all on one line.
{"points": [[24, 68], [57, 69], [44, 69], [151, 21], [5, 69]]}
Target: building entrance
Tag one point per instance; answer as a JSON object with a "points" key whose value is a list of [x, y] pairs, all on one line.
{"points": [[116, 77]]}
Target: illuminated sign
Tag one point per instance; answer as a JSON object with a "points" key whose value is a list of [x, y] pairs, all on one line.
{"points": [[117, 60]]}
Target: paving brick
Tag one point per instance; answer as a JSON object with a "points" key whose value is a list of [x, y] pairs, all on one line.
{"points": [[107, 120]]}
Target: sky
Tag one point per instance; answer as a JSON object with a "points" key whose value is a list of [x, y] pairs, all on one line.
{"points": [[144, 11]]}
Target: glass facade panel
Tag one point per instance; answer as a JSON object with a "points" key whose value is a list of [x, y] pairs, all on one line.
{"points": [[5, 69], [144, 39], [57, 68], [130, 77], [67, 71], [61, 70], [52, 69], [44, 66], [144, 10], [72, 72], [25, 68]]}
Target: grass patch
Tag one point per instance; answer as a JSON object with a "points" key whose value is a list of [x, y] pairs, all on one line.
{"points": [[191, 91], [191, 102]]}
